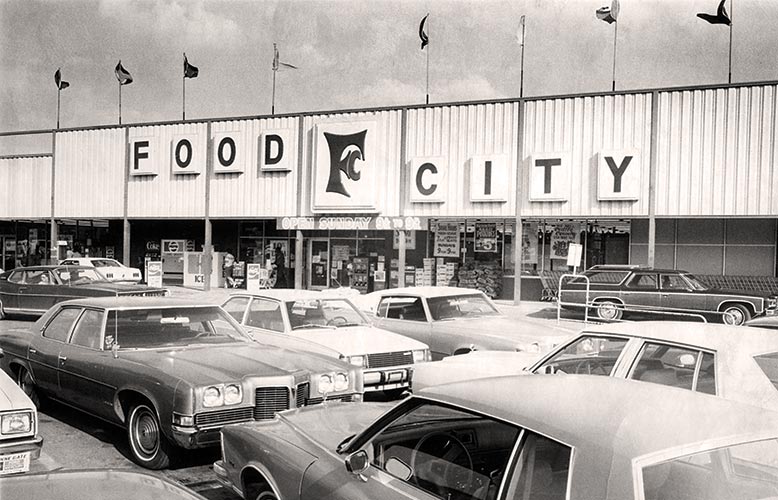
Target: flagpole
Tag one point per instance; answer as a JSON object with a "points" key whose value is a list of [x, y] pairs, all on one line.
{"points": [[521, 78], [731, 16], [273, 102], [428, 68], [183, 83], [58, 92], [615, 34], [120, 103]]}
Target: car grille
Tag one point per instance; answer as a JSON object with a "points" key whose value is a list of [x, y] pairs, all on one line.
{"points": [[346, 398], [222, 417], [303, 391], [269, 401], [383, 359], [155, 293]]}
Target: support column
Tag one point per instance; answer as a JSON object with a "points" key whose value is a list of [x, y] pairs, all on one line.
{"points": [[54, 238], [299, 248], [400, 261], [651, 254], [207, 262], [518, 236], [53, 222], [126, 243]]}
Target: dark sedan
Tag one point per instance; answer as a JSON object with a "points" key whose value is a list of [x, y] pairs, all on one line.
{"points": [[33, 290], [613, 290], [171, 373]]}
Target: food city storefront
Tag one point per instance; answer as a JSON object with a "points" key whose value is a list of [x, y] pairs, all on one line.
{"points": [[438, 194]]}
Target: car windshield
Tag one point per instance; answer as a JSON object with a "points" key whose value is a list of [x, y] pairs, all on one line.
{"points": [[328, 312], [105, 263], [461, 306], [747, 471], [695, 282], [591, 355], [179, 326], [78, 275]]}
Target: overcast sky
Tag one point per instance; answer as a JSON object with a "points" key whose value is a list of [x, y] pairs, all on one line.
{"points": [[353, 54]]}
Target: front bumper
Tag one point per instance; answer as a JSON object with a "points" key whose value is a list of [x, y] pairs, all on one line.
{"points": [[389, 378], [192, 437], [32, 445]]}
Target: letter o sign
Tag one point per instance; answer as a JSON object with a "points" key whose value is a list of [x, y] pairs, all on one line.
{"points": [[223, 144], [183, 153]]}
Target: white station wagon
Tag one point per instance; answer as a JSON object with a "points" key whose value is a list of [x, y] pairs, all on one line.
{"points": [[329, 324]]}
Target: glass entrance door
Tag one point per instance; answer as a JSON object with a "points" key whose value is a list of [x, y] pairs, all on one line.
{"points": [[318, 259]]}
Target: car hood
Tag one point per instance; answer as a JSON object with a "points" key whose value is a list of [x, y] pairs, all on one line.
{"points": [[119, 288], [503, 328], [217, 363], [351, 340], [11, 396]]}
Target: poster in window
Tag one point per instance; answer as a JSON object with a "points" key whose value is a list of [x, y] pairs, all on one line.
{"points": [[486, 237], [529, 244], [410, 240], [562, 237], [447, 240]]}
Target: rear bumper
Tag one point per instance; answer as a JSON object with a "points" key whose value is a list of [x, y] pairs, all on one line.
{"points": [[389, 378]]}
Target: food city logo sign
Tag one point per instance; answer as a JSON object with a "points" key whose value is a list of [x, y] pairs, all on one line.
{"points": [[232, 151], [345, 167], [618, 174], [380, 223], [489, 178]]}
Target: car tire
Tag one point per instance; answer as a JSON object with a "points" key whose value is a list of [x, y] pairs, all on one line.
{"points": [[266, 494], [737, 315], [25, 381], [148, 446], [609, 310]]}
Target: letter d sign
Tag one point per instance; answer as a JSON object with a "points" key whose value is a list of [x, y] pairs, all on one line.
{"points": [[276, 150]]}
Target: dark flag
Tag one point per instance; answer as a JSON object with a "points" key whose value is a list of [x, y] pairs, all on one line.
{"points": [[609, 14], [61, 84], [189, 70], [425, 40], [277, 64], [720, 17], [122, 74]]}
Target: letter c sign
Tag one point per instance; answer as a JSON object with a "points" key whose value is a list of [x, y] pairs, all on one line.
{"points": [[427, 179]]}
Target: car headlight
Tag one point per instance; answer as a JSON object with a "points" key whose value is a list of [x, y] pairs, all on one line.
{"points": [[233, 394], [421, 355], [357, 360], [341, 381], [16, 423], [326, 384], [212, 396]]}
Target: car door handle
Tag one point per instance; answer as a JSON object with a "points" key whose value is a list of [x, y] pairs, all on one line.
{"points": [[62, 359], [33, 350]]}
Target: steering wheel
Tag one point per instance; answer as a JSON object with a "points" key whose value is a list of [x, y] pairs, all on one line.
{"points": [[442, 464], [337, 320], [591, 367]]}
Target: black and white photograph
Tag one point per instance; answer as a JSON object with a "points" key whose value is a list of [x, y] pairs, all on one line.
{"points": [[389, 249]]}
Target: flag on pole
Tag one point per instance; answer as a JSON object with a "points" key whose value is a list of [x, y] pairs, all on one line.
{"points": [[720, 17], [609, 14], [61, 84], [520, 31], [122, 74], [425, 40], [189, 70], [277, 64]]}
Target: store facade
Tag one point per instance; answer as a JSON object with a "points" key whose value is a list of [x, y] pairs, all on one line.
{"points": [[473, 194]]}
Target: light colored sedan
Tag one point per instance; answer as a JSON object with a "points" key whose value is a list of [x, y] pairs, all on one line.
{"points": [[575, 437], [329, 323], [458, 320], [112, 269], [734, 362], [20, 442]]}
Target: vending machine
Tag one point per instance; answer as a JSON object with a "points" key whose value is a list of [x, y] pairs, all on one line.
{"points": [[360, 274]]}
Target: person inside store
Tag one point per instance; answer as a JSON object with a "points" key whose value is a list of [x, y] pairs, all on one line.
{"points": [[280, 265], [227, 269]]}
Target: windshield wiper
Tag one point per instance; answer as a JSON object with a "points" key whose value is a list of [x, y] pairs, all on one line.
{"points": [[351, 324], [313, 325]]}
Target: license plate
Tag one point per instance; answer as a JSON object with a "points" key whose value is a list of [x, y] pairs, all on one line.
{"points": [[18, 462]]}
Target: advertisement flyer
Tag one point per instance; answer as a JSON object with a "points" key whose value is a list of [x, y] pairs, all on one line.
{"points": [[562, 237], [486, 237], [447, 240]]}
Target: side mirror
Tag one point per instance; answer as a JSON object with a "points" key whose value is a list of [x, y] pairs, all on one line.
{"points": [[357, 463], [398, 468]]}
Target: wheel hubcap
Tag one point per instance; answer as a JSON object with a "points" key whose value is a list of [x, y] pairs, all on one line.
{"points": [[734, 316], [147, 433]]}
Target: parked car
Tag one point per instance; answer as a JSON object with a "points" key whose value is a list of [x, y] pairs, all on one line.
{"points": [[95, 484], [33, 290], [20, 442], [456, 321], [329, 324], [170, 372], [733, 362], [574, 437], [614, 290], [112, 269]]}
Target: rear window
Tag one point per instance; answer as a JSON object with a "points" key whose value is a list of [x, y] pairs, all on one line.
{"points": [[769, 365], [612, 277]]}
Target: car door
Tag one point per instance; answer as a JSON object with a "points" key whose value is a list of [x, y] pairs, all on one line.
{"points": [[9, 290], [677, 293], [236, 307], [82, 364], [39, 292], [407, 316], [642, 291], [44, 349]]}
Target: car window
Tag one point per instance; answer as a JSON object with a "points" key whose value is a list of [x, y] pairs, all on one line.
{"points": [[16, 277], [542, 471], [236, 306], [78, 275], [643, 282], [69, 263], [105, 263], [59, 327], [88, 330], [769, 366], [37, 277], [459, 306], [612, 277], [265, 314], [405, 308], [674, 366], [674, 282], [746, 471], [589, 354], [473, 450]]}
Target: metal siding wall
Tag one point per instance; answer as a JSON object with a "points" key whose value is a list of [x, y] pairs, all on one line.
{"points": [[459, 133], [166, 194], [717, 150], [89, 166], [26, 187], [583, 126], [253, 193], [388, 187]]}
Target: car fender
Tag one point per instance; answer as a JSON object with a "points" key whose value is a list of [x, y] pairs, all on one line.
{"points": [[757, 309], [163, 410]]}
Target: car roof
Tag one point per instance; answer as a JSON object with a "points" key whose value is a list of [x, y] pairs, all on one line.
{"points": [[637, 269], [48, 267], [429, 291], [610, 420], [283, 294], [136, 302], [711, 336]]}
